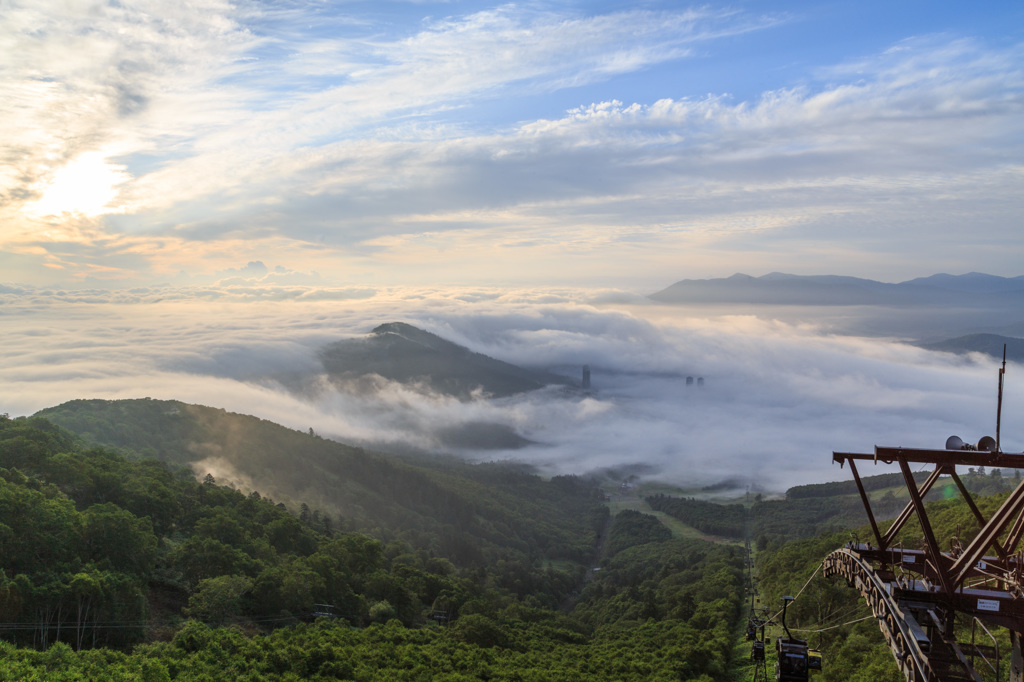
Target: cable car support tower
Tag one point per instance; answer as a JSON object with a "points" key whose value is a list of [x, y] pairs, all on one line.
{"points": [[935, 608]]}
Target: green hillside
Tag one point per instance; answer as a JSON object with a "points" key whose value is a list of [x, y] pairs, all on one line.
{"points": [[813, 509], [123, 569], [128, 561], [469, 514]]}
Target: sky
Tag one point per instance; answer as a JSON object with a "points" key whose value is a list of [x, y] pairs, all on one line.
{"points": [[194, 198], [507, 144]]}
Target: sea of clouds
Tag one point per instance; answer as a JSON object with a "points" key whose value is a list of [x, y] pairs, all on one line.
{"points": [[780, 393]]}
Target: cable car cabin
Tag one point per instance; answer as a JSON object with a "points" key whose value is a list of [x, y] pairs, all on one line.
{"points": [[792, 663], [813, 660], [757, 652]]}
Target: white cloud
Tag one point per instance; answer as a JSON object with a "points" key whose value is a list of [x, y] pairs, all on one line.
{"points": [[230, 131], [795, 157], [505, 52], [153, 78], [94, 76], [778, 397]]}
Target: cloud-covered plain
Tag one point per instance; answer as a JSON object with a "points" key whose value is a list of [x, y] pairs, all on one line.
{"points": [[778, 396]]}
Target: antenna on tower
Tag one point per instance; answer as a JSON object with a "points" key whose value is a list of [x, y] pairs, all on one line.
{"points": [[999, 405]]}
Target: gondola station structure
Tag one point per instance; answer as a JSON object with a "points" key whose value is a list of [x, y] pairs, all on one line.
{"points": [[937, 607]]}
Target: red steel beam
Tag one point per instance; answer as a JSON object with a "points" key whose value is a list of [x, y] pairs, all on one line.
{"points": [[904, 516], [1014, 536], [926, 527], [977, 512], [1009, 511], [882, 544], [945, 457]]}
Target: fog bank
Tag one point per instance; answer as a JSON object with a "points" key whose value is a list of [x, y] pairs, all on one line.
{"points": [[778, 396]]}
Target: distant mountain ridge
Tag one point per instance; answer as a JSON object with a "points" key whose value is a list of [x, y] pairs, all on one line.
{"points": [[784, 289], [972, 282], [401, 352]]}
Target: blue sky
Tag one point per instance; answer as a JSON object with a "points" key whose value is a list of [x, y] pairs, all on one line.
{"points": [[537, 143]]}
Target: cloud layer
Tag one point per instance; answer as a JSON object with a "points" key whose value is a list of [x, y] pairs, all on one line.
{"points": [[778, 397]]}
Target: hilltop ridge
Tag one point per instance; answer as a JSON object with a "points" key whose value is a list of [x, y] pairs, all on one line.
{"points": [[400, 352]]}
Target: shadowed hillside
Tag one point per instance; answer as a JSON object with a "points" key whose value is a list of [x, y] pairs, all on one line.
{"points": [[400, 352], [989, 344], [468, 513]]}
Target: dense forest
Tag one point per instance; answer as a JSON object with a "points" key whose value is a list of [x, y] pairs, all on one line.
{"points": [[118, 567], [130, 560]]}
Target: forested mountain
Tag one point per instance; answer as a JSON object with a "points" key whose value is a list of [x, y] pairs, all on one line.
{"points": [[102, 559], [469, 514], [132, 563], [403, 353]]}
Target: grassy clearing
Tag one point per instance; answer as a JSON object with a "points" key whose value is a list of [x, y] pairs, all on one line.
{"points": [[631, 500]]}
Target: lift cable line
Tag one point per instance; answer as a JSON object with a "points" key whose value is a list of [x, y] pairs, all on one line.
{"points": [[919, 595], [794, 659], [783, 609], [835, 619], [833, 627]]}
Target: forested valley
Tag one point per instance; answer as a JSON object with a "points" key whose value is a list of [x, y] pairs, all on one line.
{"points": [[125, 561]]}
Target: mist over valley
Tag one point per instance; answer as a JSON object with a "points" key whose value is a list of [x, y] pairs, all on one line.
{"points": [[489, 374]]}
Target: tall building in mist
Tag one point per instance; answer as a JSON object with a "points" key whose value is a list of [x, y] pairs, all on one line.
{"points": [[586, 376], [700, 381], [689, 381]]}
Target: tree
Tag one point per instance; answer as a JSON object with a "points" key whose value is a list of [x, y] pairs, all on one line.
{"points": [[289, 536], [218, 599], [382, 612], [221, 526], [114, 537], [87, 591], [478, 630], [199, 558]]}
